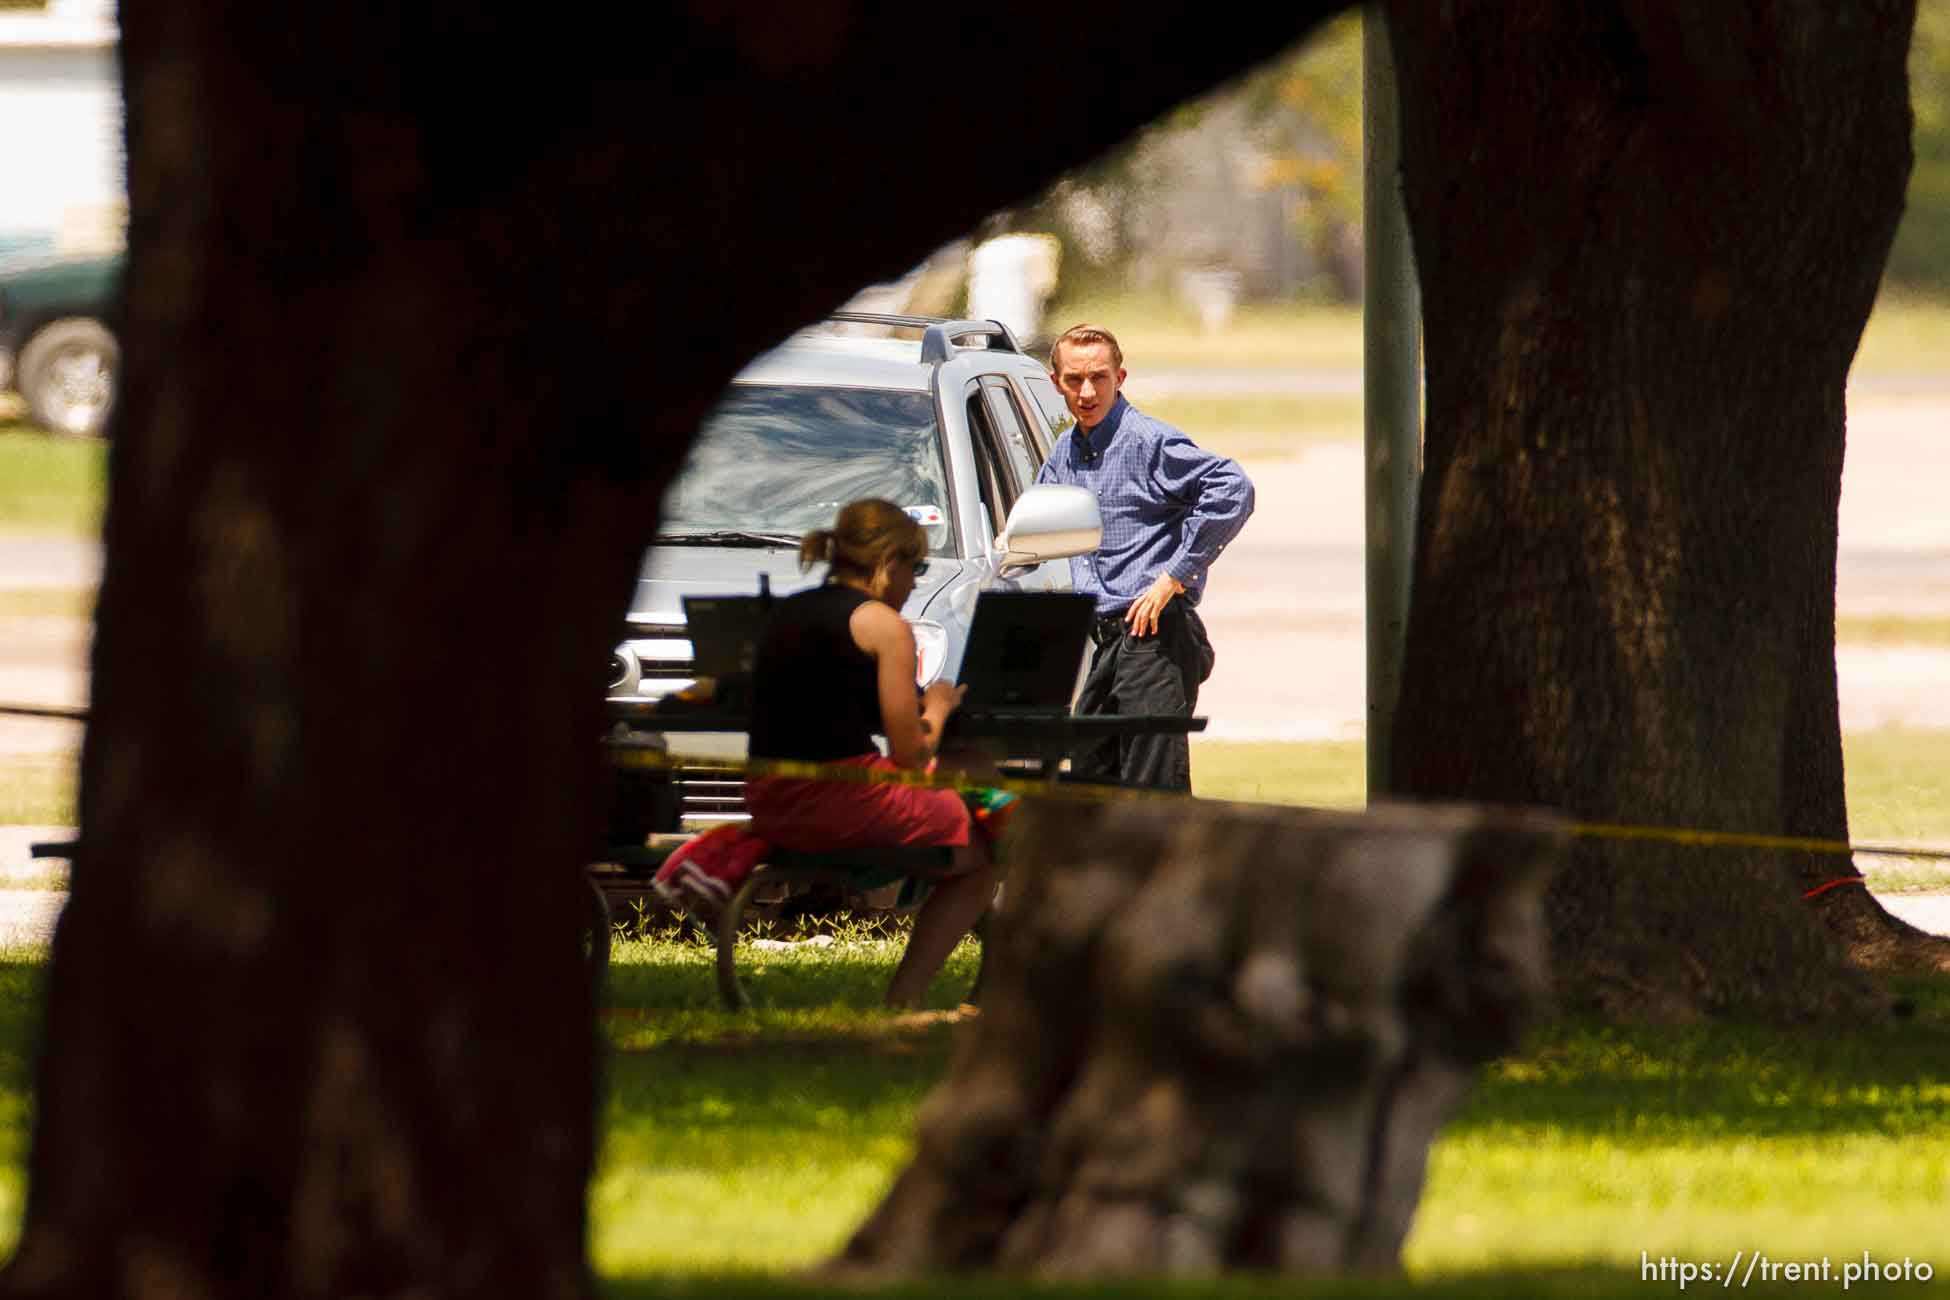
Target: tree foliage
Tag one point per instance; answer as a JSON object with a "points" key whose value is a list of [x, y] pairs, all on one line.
{"points": [[1308, 107], [1305, 107]]}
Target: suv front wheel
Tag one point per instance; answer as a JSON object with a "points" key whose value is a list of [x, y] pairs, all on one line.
{"points": [[68, 372]]}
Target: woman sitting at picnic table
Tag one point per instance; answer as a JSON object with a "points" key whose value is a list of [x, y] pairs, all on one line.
{"points": [[835, 665]]}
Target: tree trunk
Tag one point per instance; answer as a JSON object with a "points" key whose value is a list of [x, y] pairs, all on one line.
{"points": [[423, 306], [1219, 1038], [1648, 235]]}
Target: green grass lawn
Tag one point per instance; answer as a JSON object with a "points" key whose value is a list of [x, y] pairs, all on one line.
{"points": [[758, 1145], [20, 1000], [1598, 1142], [37, 789], [1325, 774], [736, 1148], [1892, 630], [782, 1127], [50, 484], [46, 602], [1155, 331], [1904, 337], [1899, 793]]}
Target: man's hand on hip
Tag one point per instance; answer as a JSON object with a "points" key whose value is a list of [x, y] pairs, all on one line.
{"points": [[1141, 619]]}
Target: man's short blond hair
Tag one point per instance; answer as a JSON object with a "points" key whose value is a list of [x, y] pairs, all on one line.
{"points": [[1084, 336]]}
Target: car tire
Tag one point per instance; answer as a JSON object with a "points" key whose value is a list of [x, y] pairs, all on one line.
{"points": [[68, 373]]}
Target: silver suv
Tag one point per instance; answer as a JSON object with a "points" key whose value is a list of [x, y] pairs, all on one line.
{"points": [[952, 426]]}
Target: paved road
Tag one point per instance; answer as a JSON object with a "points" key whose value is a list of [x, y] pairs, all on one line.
{"points": [[27, 917], [49, 563], [1285, 603]]}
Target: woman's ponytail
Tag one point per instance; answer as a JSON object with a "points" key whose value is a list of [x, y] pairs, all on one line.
{"points": [[867, 536], [815, 547]]}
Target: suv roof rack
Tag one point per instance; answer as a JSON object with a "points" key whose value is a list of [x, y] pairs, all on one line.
{"points": [[938, 333]]}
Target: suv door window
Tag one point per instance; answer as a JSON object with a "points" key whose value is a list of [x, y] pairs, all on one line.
{"points": [[1013, 425], [1052, 404], [999, 485], [1039, 439]]}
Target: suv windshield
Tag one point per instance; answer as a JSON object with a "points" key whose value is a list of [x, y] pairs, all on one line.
{"points": [[780, 459]]}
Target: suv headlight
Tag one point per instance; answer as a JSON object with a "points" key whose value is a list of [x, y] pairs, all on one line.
{"points": [[930, 651], [623, 671]]}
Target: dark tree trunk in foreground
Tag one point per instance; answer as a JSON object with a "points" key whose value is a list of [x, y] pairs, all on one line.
{"points": [[424, 303], [1220, 1038], [1648, 235]]}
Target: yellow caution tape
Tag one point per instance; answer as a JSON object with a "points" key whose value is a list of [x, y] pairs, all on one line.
{"points": [[960, 782]]}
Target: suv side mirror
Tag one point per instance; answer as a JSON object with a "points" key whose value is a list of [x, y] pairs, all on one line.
{"points": [[1051, 521]]}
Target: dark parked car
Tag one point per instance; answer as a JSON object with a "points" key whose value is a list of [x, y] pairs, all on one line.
{"points": [[57, 339]]}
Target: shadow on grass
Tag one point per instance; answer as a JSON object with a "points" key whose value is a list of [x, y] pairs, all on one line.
{"points": [[817, 1061], [23, 981], [766, 1097], [1734, 1081], [1541, 1284], [756, 1142], [673, 984]]}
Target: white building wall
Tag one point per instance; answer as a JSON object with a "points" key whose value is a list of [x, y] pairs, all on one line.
{"points": [[62, 167]]}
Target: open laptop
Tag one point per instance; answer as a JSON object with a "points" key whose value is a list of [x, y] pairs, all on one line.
{"points": [[1024, 649], [724, 643], [1023, 653]]}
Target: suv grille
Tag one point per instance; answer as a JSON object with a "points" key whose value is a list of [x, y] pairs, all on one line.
{"points": [[709, 793], [668, 668]]}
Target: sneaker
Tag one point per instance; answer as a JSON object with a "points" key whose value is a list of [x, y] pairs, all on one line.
{"points": [[706, 872]]}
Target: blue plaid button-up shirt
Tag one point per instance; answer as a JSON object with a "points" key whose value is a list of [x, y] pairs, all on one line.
{"points": [[1168, 506]]}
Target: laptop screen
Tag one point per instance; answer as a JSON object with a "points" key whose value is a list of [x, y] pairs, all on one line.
{"points": [[724, 633], [1024, 650]]}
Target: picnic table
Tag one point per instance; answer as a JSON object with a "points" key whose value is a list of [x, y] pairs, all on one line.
{"points": [[1040, 741]]}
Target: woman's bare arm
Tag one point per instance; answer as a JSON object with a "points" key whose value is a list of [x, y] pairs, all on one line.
{"points": [[913, 730]]}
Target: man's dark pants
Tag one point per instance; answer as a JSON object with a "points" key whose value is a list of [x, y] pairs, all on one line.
{"points": [[1144, 674]]}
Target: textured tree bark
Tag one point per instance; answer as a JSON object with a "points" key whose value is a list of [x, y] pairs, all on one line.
{"points": [[1648, 236], [423, 305], [1219, 1037]]}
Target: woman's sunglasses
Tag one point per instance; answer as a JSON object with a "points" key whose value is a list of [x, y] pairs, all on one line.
{"points": [[920, 568]]}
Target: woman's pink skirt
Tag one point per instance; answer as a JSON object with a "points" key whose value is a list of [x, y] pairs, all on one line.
{"points": [[819, 816]]}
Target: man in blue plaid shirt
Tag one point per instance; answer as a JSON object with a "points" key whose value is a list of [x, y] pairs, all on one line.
{"points": [[1169, 509]]}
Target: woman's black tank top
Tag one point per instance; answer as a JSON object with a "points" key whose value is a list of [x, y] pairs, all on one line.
{"points": [[815, 693]]}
